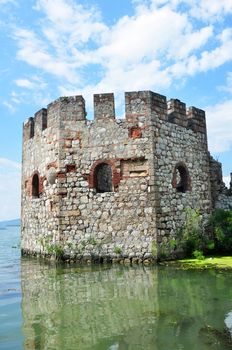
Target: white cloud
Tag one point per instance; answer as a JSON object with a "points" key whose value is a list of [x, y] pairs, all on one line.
{"points": [[9, 164], [207, 60], [25, 83], [190, 42], [76, 23], [35, 52], [207, 10], [210, 10], [219, 124], [33, 90], [10, 178], [159, 39], [9, 106], [228, 86], [65, 30], [155, 47], [35, 83], [145, 35], [3, 2]]}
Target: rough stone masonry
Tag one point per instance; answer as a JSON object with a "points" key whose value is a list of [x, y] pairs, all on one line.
{"points": [[115, 189]]}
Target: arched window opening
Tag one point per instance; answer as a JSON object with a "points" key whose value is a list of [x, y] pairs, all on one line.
{"points": [[35, 186], [181, 179], [103, 178]]}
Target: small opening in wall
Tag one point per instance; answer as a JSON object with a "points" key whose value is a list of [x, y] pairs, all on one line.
{"points": [[32, 129], [70, 168], [35, 186], [181, 178], [135, 132], [103, 178], [44, 121]]}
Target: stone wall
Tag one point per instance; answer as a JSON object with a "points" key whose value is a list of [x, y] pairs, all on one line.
{"points": [[178, 149], [224, 202], [41, 157], [221, 195], [110, 188]]}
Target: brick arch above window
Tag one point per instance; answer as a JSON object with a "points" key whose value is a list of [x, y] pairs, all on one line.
{"points": [[181, 179], [98, 166]]}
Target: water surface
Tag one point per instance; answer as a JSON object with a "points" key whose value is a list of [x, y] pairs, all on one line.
{"points": [[11, 336], [43, 306]]}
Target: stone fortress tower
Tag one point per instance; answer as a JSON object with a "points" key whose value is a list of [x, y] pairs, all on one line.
{"points": [[110, 188]]}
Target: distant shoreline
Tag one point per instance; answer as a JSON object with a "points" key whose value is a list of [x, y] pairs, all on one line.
{"points": [[10, 223]]}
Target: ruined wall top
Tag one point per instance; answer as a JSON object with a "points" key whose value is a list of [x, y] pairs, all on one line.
{"points": [[137, 104]]}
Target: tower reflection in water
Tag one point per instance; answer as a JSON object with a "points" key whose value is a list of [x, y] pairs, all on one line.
{"points": [[117, 308]]}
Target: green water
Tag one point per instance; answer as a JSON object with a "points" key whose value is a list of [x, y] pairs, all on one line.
{"points": [[109, 308]]}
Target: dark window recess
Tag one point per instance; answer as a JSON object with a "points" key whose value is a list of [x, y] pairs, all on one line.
{"points": [[44, 124], [35, 186], [182, 179], [44, 119], [32, 128], [70, 168], [103, 178]]}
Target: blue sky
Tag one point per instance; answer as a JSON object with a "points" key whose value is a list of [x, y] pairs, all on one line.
{"points": [[52, 48]]}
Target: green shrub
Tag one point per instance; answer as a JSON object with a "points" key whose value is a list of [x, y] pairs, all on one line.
{"points": [[210, 245], [56, 250], [117, 250], [91, 241], [192, 234], [167, 248], [198, 254], [221, 222]]}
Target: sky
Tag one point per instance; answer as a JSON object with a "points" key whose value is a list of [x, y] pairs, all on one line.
{"points": [[50, 48]]}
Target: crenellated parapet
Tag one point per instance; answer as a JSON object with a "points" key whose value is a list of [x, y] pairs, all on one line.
{"points": [[64, 109], [139, 106], [191, 118]]}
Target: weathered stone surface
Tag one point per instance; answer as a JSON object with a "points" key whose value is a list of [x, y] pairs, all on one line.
{"points": [[115, 189]]}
